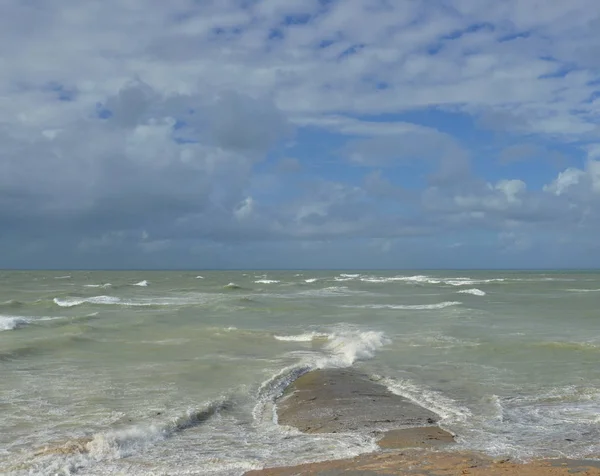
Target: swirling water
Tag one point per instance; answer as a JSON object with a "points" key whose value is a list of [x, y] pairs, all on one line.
{"points": [[176, 372]]}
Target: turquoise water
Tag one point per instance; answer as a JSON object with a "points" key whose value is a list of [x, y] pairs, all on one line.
{"points": [[176, 372]]}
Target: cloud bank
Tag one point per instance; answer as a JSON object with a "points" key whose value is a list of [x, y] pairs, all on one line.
{"points": [[313, 133]]}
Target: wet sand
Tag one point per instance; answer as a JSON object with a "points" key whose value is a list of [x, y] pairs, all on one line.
{"points": [[340, 400]]}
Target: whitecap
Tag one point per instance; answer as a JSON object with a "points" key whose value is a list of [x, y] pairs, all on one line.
{"points": [[306, 337], [107, 285], [71, 302], [409, 307], [8, 323], [199, 277], [266, 281], [344, 347], [474, 292], [143, 283], [311, 280], [232, 286]]}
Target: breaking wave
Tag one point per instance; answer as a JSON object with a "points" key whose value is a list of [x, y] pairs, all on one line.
{"points": [[408, 307], [8, 323], [307, 337], [473, 291], [71, 302], [343, 348], [143, 283]]}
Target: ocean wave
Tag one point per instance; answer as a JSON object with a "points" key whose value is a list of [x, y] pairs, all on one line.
{"points": [[447, 408], [311, 280], [343, 348], [473, 291], [107, 285], [583, 290], [71, 302], [143, 283], [345, 275], [330, 291], [11, 303], [9, 323], [419, 279], [407, 307], [68, 276], [266, 281], [424, 279], [306, 337], [232, 286], [199, 277], [122, 443], [471, 282]]}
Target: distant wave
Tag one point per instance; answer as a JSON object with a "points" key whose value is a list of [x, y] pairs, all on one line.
{"points": [[408, 307], [424, 279], [121, 443], [71, 302], [344, 347], [107, 285], [8, 323], [12, 303], [232, 286], [143, 283], [474, 292], [311, 280], [68, 276], [266, 281], [307, 337], [583, 290]]}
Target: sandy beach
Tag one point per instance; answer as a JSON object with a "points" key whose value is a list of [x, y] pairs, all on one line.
{"points": [[411, 443]]}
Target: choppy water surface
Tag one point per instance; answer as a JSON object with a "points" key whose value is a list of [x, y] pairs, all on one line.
{"points": [[176, 372]]}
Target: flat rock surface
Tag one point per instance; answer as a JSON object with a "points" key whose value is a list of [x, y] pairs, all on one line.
{"points": [[424, 463], [340, 400]]}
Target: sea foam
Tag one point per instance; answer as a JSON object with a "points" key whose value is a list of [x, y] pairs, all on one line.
{"points": [[8, 323], [408, 307], [473, 291]]}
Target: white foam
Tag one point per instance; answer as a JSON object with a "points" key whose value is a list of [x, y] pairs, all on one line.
{"points": [[71, 302], [107, 285], [346, 347], [266, 281], [8, 323], [307, 337], [583, 290], [232, 286], [419, 279], [311, 280], [199, 277], [473, 291], [330, 291], [343, 275], [63, 277], [409, 307], [471, 282], [143, 283], [449, 410]]}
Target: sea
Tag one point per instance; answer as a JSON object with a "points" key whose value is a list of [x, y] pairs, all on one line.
{"points": [[178, 372]]}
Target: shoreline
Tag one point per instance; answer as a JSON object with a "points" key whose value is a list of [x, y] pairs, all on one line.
{"points": [[409, 438]]}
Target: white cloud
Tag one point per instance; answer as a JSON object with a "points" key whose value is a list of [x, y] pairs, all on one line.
{"points": [[126, 116]]}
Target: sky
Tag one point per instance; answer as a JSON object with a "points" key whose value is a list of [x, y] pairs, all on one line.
{"points": [[299, 134]]}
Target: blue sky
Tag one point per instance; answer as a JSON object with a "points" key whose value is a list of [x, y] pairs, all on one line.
{"points": [[300, 133]]}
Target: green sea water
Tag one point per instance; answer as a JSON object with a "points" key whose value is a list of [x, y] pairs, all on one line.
{"points": [[175, 372]]}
